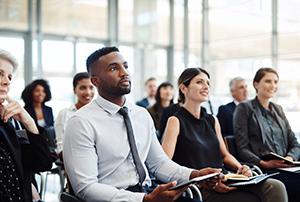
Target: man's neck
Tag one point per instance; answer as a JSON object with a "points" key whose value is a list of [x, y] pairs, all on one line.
{"points": [[118, 100]]}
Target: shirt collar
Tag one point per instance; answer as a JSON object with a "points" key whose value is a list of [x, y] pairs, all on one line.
{"points": [[110, 107], [73, 108], [236, 102]]}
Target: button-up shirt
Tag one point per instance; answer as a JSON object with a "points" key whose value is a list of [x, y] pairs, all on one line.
{"points": [[97, 155], [60, 124], [273, 133]]}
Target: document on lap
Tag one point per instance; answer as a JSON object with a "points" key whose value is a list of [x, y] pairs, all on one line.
{"points": [[274, 156], [294, 169], [195, 180], [236, 182]]}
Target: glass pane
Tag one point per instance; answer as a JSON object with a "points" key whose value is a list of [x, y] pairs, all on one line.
{"points": [[57, 56], [83, 50], [240, 28], [178, 27], [160, 29], [152, 21], [195, 32], [16, 47], [13, 14], [87, 18], [288, 26], [156, 64], [128, 54], [126, 20], [62, 92], [223, 71]]}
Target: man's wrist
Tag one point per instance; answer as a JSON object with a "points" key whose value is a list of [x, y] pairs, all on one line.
{"points": [[194, 173]]}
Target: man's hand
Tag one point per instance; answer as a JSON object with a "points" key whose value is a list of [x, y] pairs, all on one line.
{"points": [[273, 164], [15, 110], [162, 193], [222, 188], [209, 183]]}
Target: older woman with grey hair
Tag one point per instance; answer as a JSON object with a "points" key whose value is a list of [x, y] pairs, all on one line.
{"points": [[21, 150]]}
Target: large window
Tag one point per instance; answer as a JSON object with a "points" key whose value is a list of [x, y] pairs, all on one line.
{"points": [[195, 32], [13, 14], [57, 57], [58, 65], [152, 21], [126, 20], [86, 18], [83, 50]]}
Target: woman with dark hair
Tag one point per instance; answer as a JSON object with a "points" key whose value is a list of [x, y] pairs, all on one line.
{"points": [[84, 91], [35, 95], [261, 127], [164, 98], [193, 138]]}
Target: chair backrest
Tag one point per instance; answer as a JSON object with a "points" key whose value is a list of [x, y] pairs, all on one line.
{"points": [[230, 144], [232, 148], [66, 197]]}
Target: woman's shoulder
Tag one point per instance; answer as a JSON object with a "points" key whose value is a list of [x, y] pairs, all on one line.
{"points": [[47, 107]]}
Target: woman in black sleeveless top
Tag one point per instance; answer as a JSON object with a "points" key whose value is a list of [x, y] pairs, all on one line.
{"points": [[193, 138]]}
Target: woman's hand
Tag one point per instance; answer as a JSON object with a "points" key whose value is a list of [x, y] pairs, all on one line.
{"points": [[273, 164], [244, 170], [15, 110], [289, 158]]}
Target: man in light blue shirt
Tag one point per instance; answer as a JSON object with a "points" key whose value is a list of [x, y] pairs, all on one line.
{"points": [[97, 155]]}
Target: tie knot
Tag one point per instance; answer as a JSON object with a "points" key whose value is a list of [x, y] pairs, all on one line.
{"points": [[123, 111]]}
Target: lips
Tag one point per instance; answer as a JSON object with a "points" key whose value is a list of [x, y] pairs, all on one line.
{"points": [[2, 91], [125, 81], [204, 93]]}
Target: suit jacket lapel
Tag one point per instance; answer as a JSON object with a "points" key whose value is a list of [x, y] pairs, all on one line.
{"points": [[13, 145]]}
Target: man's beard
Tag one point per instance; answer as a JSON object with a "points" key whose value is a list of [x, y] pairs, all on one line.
{"points": [[118, 91]]}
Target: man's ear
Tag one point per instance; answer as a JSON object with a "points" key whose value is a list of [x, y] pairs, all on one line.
{"points": [[95, 81]]}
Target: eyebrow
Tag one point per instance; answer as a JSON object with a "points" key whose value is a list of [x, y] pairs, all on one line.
{"points": [[115, 63], [2, 71]]}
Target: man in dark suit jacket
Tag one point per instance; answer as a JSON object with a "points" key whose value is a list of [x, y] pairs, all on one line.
{"points": [[239, 92], [151, 87]]}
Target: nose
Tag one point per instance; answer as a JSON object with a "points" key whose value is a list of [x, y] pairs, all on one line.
{"points": [[89, 91], [5, 80], [124, 71]]}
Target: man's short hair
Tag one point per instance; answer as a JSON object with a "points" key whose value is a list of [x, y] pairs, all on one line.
{"points": [[97, 54], [232, 82], [5, 55], [149, 79], [78, 77]]}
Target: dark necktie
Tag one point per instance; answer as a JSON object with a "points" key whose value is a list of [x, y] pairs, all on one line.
{"points": [[136, 158]]}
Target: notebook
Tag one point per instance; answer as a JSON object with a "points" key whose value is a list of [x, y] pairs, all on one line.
{"points": [[251, 180], [195, 180], [274, 156]]}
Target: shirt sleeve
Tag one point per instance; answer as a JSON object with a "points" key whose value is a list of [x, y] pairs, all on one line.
{"points": [[80, 158], [59, 130], [162, 166]]}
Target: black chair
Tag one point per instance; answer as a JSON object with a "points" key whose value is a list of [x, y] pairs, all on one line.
{"points": [[231, 145], [232, 148], [66, 197]]}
